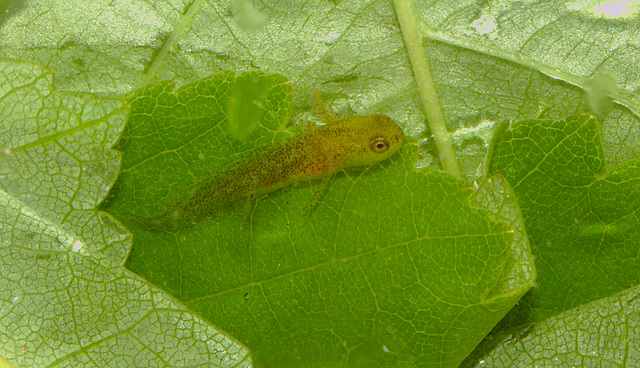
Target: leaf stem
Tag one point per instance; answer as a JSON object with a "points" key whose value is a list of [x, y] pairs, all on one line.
{"points": [[182, 25], [405, 11]]}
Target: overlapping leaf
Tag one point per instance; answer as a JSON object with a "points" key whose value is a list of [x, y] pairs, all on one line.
{"points": [[582, 222], [584, 228], [65, 298], [603, 333]]}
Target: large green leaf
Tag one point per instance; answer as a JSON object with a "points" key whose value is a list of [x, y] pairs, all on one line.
{"points": [[490, 61], [393, 267], [582, 222], [65, 298]]}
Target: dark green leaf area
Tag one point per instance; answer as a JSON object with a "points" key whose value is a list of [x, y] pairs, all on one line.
{"points": [[393, 266], [583, 223], [381, 270]]}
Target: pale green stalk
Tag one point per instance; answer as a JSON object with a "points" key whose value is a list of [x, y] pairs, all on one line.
{"points": [[182, 26], [405, 10]]}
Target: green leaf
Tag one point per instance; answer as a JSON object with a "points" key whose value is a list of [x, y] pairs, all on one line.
{"points": [[582, 221], [246, 107], [66, 299], [490, 60], [604, 329], [497, 198], [413, 274], [583, 229]]}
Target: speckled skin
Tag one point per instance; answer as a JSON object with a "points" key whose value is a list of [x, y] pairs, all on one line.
{"points": [[319, 152]]}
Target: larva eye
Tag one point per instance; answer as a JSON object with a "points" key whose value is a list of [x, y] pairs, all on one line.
{"points": [[379, 145]]}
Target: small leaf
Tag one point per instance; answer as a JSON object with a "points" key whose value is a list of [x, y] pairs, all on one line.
{"points": [[246, 107], [597, 334]]}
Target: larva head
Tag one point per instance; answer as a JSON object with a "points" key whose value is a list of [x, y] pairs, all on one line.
{"points": [[363, 140]]}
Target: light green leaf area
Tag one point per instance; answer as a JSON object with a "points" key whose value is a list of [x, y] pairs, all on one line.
{"points": [[496, 196], [65, 299], [394, 267], [582, 222], [490, 60], [602, 333]]}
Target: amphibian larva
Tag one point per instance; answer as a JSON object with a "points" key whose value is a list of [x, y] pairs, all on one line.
{"points": [[319, 152]]}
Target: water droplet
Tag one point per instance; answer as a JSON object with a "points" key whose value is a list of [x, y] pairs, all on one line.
{"points": [[331, 38]]}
